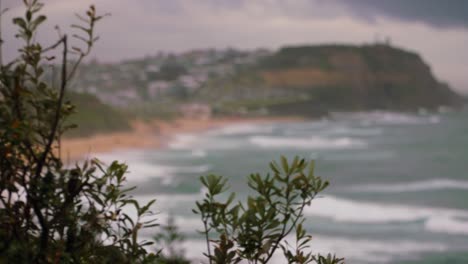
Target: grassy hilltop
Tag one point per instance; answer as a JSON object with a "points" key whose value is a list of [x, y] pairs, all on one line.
{"points": [[92, 116], [312, 80]]}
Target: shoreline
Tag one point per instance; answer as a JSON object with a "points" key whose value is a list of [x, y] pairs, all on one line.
{"points": [[152, 134]]}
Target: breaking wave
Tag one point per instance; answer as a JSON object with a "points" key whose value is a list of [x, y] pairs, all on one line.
{"points": [[306, 143], [354, 250], [416, 186], [440, 220], [387, 118], [242, 129]]}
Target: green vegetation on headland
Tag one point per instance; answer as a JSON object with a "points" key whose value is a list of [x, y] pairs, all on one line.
{"points": [[92, 116], [306, 81], [334, 78]]}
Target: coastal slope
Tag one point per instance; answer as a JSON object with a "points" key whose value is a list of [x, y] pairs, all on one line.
{"points": [[314, 80]]}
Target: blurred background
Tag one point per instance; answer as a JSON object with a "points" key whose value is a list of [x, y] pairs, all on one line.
{"points": [[374, 91]]}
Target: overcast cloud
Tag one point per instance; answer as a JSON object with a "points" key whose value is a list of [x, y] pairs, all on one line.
{"points": [[438, 13], [438, 30]]}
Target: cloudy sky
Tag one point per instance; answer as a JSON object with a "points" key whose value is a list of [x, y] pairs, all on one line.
{"points": [[437, 29]]}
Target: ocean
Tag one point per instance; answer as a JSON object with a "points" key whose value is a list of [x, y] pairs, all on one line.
{"points": [[399, 182]]}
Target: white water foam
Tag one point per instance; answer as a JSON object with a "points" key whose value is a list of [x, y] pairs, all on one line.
{"points": [[306, 143], [360, 156], [167, 201], [355, 251], [139, 171], [192, 141], [199, 153], [387, 118], [242, 129], [441, 220], [416, 186], [349, 131], [183, 141], [372, 251]]}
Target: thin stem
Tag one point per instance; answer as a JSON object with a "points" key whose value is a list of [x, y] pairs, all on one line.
{"points": [[286, 217], [207, 240], [56, 120], [50, 140], [53, 46]]}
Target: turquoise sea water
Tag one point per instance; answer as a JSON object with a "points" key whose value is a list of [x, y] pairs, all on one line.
{"points": [[399, 182]]}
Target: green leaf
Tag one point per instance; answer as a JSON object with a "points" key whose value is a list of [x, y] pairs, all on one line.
{"points": [[20, 22], [81, 28], [39, 20], [231, 198], [311, 168], [146, 207], [284, 163], [28, 15], [274, 167]]}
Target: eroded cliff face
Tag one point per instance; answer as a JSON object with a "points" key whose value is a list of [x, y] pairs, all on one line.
{"points": [[316, 80], [377, 76]]}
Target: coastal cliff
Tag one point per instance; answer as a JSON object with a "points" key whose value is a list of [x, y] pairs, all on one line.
{"points": [[314, 80]]}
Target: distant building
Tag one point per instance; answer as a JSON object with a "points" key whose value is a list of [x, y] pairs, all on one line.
{"points": [[196, 111], [157, 88], [190, 82]]}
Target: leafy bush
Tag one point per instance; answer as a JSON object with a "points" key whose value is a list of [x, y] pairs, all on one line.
{"points": [[50, 213], [255, 230]]}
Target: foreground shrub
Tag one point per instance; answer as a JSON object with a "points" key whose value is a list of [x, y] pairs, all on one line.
{"points": [[51, 213], [253, 231]]}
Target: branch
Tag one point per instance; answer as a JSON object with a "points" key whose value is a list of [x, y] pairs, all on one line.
{"points": [[207, 238], [52, 47], [50, 140], [56, 120], [287, 216]]}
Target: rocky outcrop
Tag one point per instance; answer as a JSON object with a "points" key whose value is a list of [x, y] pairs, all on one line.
{"points": [[314, 80]]}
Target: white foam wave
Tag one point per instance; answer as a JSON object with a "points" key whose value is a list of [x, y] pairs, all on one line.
{"points": [[242, 129], [163, 205], [371, 250], [165, 202], [354, 250], [140, 172], [183, 141], [387, 118], [360, 156], [190, 142], [435, 219], [199, 153], [356, 131], [306, 143], [425, 185]]}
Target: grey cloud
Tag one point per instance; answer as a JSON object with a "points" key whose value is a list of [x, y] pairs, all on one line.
{"points": [[438, 13], [140, 27]]}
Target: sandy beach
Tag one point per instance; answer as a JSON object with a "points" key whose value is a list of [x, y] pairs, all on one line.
{"points": [[152, 134]]}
